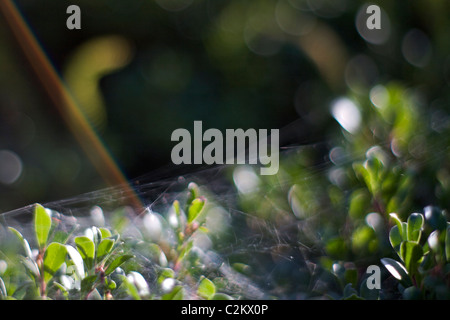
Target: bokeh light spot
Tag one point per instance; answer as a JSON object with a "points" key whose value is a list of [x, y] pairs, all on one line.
{"points": [[379, 96], [416, 48], [10, 167], [347, 114], [245, 179]]}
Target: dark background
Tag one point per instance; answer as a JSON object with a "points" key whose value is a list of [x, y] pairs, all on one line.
{"points": [[232, 64]]}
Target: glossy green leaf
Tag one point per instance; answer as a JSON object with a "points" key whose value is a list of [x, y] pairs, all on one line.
{"points": [[206, 289], [117, 262], [411, 253], [104, 248], [42, 225], [194, 192], [415, 225], [110, 284], [86, 248], [400, 225], [105, 233], [195, 209], [22, 240], [54, 257], [397, 270], [395, 238]]}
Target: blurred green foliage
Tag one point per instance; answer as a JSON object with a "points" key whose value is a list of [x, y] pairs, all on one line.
{"points": [[259, 64], [366, 135]]}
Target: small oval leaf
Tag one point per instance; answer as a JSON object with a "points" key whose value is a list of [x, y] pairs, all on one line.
{"points": [[415, 225], [206, 289], [86, 249], [117, 262], [411, 253], [104, 248], [54, 257], [395, 238], [42, 225], [195, 209], [397, 270], [23, 241]]}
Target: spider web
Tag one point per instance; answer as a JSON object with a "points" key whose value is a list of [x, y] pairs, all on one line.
{"points": [[279, 255], [267, 248]]}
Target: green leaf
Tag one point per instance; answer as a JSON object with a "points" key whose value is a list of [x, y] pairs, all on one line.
{"points": [[195, 208], [42, 225], [411, 253], [105, 233], [176, 207], [399, 224], [415, 225], [23, 241], [77, 260], [31, 266], [221, 296], [194, 192], [395, 238], [54, 257], [131, 288], [87, 284], [206, 289], [117, 262], [104, 248], [86, 248], [177, 293], [166, 273], [110, 284], [397, 270]]}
